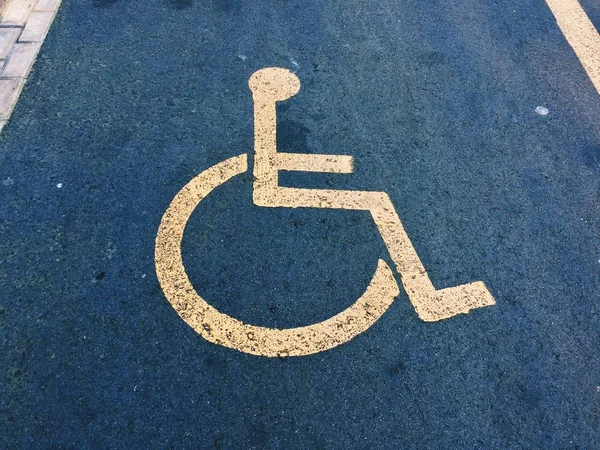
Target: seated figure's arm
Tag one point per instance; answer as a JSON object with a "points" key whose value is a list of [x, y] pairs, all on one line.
{"points": [[302, 162]]}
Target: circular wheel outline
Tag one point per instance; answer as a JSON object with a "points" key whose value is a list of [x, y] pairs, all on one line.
{"points": [[222, 329]]}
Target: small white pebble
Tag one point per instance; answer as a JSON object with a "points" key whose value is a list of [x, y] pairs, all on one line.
{"points": [[144, 276], [59, 185], [242, 57], [542, 110]]}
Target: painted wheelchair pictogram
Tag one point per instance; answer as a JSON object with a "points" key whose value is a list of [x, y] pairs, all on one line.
{"points": [[268, 86]]}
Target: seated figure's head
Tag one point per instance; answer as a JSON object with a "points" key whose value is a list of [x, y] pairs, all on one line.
{"points": [[274, 84]]}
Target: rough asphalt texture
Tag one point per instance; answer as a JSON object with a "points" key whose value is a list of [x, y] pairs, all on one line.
{"points": [[436, 100]]}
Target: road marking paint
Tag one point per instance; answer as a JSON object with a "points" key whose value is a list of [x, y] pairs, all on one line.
{"points": [[580, 33], [222, 329], [23, 28], [316, 163], [269, 86]]}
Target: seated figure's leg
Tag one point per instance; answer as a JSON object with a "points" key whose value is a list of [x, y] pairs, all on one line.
{"points": [[284, 197], [430, 304]]}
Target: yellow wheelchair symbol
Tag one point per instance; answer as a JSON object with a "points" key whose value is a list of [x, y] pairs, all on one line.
{"points": [[268, 86]]}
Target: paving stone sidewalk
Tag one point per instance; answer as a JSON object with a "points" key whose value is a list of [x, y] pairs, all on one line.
{"points": [[23, 27]]}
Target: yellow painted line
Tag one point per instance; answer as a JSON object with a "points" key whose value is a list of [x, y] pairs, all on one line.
{"points": [[269, 86], [316, 163], [580, 34], [273, 84], [219, 328]]}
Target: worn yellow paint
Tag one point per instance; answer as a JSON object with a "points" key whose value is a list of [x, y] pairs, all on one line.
{"points": [[222, 329], [269, 86], [580, 34], [274, 84]]}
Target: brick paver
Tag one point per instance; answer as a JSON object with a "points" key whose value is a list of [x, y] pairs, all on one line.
{"points": [[23, 27]]}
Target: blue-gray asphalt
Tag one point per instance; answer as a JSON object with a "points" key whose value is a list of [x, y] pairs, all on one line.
{"points": [[436, 100]]}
